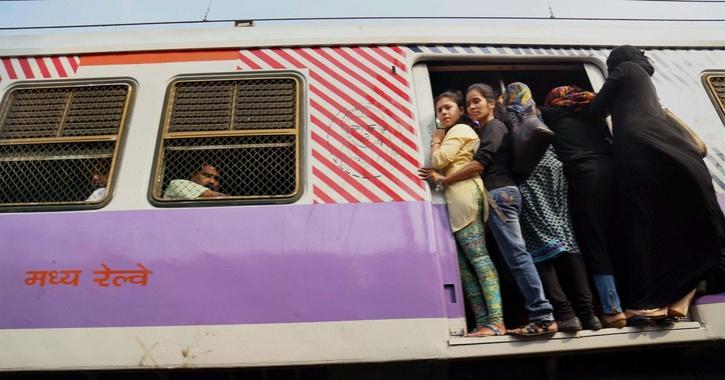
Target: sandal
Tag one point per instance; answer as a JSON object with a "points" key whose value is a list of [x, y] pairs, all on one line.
{"points": [[680, 308], [616, 321], [534, 328], [487, 329]]}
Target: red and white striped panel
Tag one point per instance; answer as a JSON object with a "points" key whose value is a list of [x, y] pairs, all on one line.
{"points": [[363, 139], [38, 67]]}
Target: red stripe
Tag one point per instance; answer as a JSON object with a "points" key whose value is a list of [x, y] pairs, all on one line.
{"points": [[73, 60], [43, 68], [253, 65], [317, 173], [380, 65], [354, 165], [321, 194], [354, 149], [370, 72], [363, 67], [26, 68], [374, 117], [397, 49], [380, 152], [346, 82], [267, 59], [9, 68], [289, 58], [388, 159], [59, 67], [332, 102], [341, 173], [389, 58], [371, 86]]}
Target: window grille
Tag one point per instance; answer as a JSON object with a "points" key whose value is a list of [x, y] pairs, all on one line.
{"points": [[59, 142], [242, 131], [715, 85]]}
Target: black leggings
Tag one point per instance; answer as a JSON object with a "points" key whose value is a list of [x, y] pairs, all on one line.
{"points": [[570, 269], [590, 201]]}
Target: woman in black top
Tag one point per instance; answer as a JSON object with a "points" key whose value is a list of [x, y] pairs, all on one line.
{"points": [[671, 228], [583, 144]]}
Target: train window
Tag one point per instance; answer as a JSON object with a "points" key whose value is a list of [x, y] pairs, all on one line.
{"points": [[229, 139], [59, 143], [715, 84]]}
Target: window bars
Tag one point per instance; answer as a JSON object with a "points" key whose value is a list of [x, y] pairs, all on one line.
{"points": [[236, 137], [59, 143]]}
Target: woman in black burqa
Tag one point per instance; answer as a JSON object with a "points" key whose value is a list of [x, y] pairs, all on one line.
{"points": [[670, 227]]}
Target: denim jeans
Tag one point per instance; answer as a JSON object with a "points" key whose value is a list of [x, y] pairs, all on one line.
{"points": [[607, 293], [513, 249]]}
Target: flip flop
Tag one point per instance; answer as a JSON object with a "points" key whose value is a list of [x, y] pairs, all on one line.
{"points": [[482, 331]]}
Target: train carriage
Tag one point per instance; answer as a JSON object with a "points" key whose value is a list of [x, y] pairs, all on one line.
{"points": [[327, 247]]}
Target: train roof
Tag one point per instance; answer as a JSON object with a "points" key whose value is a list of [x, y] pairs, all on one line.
{"points": [[224, 24]]}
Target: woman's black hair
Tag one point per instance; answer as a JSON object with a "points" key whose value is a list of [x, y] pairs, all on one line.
{"points": [[457, 98], [499, 112]]}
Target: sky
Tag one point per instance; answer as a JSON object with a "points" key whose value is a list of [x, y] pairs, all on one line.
{"points": [[40, 13]]}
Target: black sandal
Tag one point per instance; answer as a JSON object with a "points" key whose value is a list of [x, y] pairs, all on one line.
{"points": [[534, 328]]}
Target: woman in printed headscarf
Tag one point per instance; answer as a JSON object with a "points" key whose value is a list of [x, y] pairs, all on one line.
{"points": [[583, 144], [547, 228], [670, 227]]}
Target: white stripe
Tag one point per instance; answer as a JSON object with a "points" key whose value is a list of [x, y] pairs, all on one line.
{"points": [[256, 60], [35, 68], [4, 75], [383, 88], [338, 198], [342, 179], [358, 99], [370, 156], [375, 69], [322, 150], [65, 62], [363, 162], [377, 110], [50, 66], [400, 57], [241, 345], [18, 69]]}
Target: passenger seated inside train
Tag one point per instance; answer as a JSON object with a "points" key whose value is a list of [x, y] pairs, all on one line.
{"points": [[99, 180], [203, 182]]}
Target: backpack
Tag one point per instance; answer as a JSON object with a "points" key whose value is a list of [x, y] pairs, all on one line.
{"points": [[529, 140]]}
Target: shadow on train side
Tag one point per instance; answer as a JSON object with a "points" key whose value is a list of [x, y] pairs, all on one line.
{"points": [[699, 361]]}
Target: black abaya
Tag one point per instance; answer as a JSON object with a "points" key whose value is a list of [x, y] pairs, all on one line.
{"points": [[670, 227]]}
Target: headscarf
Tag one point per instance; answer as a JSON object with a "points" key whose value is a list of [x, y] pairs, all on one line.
{"points": [[571, 97], [517, 98], [629, 53]]}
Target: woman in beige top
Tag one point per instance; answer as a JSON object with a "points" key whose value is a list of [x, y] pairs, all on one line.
{"points": [[467, 212]]}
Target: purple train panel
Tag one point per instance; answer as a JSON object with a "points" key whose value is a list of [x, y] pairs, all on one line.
{"points": [[232, 265]]}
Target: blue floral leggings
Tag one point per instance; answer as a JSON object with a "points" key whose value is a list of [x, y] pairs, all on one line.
{"points": [[478, 274]]}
